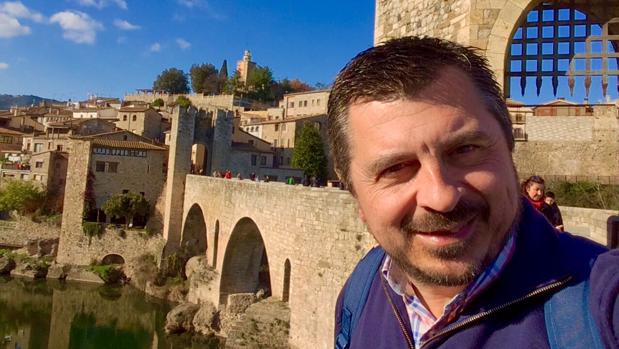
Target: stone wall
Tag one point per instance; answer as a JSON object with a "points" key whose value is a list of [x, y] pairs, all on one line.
{"points": [[587, 222], [571, 146], [19, 231], [316, 229]]}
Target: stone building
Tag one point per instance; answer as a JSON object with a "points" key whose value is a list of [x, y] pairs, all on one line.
{"points": [[119, 162], [10, 140], [245, 66], [56, 134], [144, 121], [108, 113]]}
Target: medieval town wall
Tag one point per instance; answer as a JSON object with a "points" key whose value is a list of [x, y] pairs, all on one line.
{"points": [[583, 146]]}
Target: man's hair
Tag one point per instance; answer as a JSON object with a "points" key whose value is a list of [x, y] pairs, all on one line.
{"points": [[550, 194], [401, 69]]}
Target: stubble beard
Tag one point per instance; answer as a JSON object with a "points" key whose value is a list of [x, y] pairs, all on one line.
{"points": [[464, 213]]}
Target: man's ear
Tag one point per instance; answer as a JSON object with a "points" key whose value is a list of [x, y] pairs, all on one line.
{"points": [[361, 215]]}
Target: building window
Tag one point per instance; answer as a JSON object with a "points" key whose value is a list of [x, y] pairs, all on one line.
{"points": [[100, 166], [254, 158], [318, 102], [134, 118], [263, 160], [38, 164], [38, 177], [291, 105], [49, 145], [288, 143], [38, 147], [124, 137], [283, 127], [59, 147], [6, 139], [125, 117], [276, 127], [112, 167], [251, 141], [275, 143]]}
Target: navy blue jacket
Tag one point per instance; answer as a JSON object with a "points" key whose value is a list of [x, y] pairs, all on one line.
{"points": [[515, 301]]}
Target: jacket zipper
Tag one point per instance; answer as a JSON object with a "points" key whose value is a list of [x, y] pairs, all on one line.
{"points": [[456, 326]]}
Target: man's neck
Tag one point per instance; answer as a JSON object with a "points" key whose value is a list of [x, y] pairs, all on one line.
{"points": [[433, 297]]}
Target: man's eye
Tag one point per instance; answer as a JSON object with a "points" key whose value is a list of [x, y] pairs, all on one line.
{"points": [[400, 170], [466, 149]]}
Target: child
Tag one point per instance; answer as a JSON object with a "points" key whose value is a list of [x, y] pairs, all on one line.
{"points": [[555, 214]]}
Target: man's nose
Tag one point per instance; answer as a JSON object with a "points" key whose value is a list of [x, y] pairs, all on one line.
{"points": [[437, 190]]}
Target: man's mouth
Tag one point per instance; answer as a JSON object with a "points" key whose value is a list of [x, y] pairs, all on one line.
{"points": [[447, 237]]}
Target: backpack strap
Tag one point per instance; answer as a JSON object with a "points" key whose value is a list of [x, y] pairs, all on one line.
{"points": [[569, 323], [356, 293]]}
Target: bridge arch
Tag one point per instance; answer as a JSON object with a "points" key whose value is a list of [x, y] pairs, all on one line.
{"points": [[113, 258], [193, 238], [245, 266]]}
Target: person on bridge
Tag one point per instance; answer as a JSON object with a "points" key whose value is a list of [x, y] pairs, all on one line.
{"points": [[421, 135], [534, 189], [555, 214]]}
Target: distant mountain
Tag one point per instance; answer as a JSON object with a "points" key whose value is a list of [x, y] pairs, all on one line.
{"points": [[8, 101]]}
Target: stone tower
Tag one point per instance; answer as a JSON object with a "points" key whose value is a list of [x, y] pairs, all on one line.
{"points": [[485, 24], [245, 66], [179, 165]]}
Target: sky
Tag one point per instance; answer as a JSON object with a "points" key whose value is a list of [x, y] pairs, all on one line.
{"points": [[70, 49]]}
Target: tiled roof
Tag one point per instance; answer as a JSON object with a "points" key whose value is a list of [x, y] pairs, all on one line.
{"points": [[9, 131], [126, 144]]}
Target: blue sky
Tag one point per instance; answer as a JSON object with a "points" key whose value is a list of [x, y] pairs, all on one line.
{"points": [[71, 48], [65, 49]]}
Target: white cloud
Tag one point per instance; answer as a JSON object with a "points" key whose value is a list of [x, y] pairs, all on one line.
{"points": [[124, 25], [10, 27], [190, 3], [3, 66], [103, 3], [16, 9], [156, 47], [183, 44], [78, 26]]}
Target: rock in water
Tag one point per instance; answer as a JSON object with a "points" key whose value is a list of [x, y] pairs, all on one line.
{"points": [[206, 320], [180, 318], [195, 263]]}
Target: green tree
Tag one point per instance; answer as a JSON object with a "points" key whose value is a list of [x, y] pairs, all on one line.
{"points": [[158, 102], [259, 84], [309, 154], [171, 81], [204, 78], [183, 101], [21, 196], [126, 205]]}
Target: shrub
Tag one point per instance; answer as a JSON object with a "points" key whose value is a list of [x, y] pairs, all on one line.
{"points": [[23, 197], [586, 194], [91, 229], [110, 274], [158, 102]]}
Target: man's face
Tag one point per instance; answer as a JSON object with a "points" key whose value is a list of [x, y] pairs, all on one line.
{"points": [[434, 180], [549, 200]]}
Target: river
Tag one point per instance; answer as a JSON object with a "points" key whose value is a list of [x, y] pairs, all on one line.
{"points": [[37, 314]]}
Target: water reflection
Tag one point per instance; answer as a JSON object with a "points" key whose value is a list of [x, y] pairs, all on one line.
{"points": [[55, 315]]}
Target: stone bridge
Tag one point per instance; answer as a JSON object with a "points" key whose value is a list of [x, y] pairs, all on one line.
{"points": [[298, 242]]}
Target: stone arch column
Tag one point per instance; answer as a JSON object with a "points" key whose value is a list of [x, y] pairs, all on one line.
{"points": [[499, 40]]}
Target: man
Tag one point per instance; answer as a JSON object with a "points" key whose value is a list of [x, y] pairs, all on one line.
{"points": [[422, 138]]}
